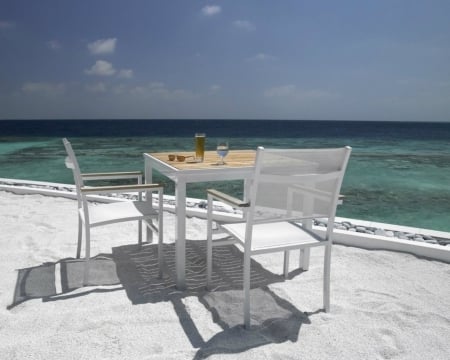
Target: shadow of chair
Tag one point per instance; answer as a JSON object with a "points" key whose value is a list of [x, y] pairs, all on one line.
{"points": [[64, 279], [281, 321], [134, 268]]}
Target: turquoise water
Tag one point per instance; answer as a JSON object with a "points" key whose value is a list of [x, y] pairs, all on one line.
{"points": [[394, 179]]}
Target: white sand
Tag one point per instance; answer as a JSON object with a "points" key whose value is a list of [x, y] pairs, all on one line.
{"points": [[385, 305]]}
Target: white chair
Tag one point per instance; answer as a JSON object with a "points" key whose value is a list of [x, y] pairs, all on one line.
{"points": [[289, 189], [103, 214]]}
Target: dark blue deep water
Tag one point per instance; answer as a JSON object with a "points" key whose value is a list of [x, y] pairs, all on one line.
{"points": [[399, 172]]}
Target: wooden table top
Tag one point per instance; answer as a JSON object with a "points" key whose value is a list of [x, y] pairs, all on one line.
{"points": [[234, 159]]}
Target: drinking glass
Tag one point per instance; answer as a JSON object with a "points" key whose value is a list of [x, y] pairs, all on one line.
{"points": [[199, 146], [222, 151]]}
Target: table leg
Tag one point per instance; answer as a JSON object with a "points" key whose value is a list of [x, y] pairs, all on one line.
{"points": [[148, 172], [180, 234]]}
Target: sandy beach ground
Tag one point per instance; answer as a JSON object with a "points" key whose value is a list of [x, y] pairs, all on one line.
{"points": [[385, 305]]}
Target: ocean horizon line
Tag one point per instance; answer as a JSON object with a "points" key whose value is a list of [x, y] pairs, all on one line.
{"points": [[233, 119]]}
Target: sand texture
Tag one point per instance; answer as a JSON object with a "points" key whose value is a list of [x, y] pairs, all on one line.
{"points": [[385, 305]]}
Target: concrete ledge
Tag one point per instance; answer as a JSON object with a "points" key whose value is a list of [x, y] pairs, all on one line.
{"points": [[362, 240], [375, 242]]}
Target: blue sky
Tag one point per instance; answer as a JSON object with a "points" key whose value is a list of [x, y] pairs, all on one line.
{"points": [[237, 59]]}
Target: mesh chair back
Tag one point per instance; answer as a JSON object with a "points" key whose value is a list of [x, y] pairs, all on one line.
{"points": [[297, 183]]}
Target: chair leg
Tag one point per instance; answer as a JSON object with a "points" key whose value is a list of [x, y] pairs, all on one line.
{"points": [[326, 278], [209, 245], [160, 247], [208, 264], [304, 258], [247, 290], [88, 256], [286, 264], [80, 237], [140, 232], [149, 234], [209, 256]]}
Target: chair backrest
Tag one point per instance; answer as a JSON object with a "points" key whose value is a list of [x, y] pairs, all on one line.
{"points": [[291, 184], [72, 163]]}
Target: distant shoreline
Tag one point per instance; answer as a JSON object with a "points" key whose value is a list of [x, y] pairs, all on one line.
{"points": [[185, 127], [232, 119]]}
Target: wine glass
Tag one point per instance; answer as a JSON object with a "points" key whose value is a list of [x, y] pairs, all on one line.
{"points": [[222, 151]]}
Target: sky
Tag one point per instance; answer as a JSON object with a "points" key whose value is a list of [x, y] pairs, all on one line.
{"points": [[226, 59]]}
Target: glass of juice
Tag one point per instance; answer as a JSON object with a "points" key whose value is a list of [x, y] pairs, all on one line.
{"points": [[199, 146]]}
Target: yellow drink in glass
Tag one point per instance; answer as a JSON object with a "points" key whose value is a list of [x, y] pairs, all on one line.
{"points": [[200, 146]]}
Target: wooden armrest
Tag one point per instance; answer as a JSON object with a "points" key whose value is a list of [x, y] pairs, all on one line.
{"points": [[216, 194], [112, 175], [120, 188]]}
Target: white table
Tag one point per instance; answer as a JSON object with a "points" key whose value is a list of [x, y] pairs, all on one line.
{"points": [[239, 166]]}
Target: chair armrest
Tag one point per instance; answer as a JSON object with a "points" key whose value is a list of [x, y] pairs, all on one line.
{"points": [[216, 194], [112, 175], [120, 188]]}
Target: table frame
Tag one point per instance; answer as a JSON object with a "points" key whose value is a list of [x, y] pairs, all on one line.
{"points": [[240, 166]]}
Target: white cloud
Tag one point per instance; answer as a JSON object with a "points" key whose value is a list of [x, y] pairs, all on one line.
{"points": [[244, 25], [155, 91], [6, 24], [261, 57], [144, 90], [157, 88], [101, 68], [103, 46], [125, 74], [96, 88], [54, 44], [280, 91], [156, 85], [120, 89], [215, 88], [210, 10], [154, 88], [44, 88], [292, 92]]}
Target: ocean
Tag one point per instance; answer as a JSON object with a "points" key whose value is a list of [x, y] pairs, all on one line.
{"points": [[399, 172]]}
